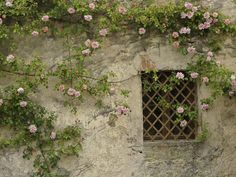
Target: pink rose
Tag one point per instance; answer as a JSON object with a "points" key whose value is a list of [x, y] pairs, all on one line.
{"points": [[233, 77], [185, 30], [53, 135], [62, 88], [88, 18], [231, 93], [1, 102], [205, 79], [206, 15], [35, 33], [194, 75], [205, 107], [210, 54], [10, 58], [103, 32], [175, 34], [141, 31], [95, 45], [201, 26], [86, 52], [227, 21], [209, 20], [71, 92], [122, 10], [194, 9], [183, 15], [180, 75], [188, 5], [71, 10], [191, 50], [45, 29], [190, 15], [183, 123], [87, 43], [176, 44], [77, 94], [32, 128], [9, 3], [23, 104], [45, 18], [20, 90], [180, 110], [233, 83], [207, 25], [92, 6], [215, 14], [122, 110]]}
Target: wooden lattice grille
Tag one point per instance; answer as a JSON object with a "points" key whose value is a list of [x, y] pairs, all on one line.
{"points": [[158, 121]]}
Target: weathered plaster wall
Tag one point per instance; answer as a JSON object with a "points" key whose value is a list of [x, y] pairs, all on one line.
{"points": [[119, 151]]}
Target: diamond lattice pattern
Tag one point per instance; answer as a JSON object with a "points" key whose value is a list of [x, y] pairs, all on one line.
{"points": [[159, 121]]}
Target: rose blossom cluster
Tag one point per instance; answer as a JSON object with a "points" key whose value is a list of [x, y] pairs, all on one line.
{"points": [[180, 75], [122, 110], [73, 92], [190, 13], [209, 20], [90, 44], [185, 30]]}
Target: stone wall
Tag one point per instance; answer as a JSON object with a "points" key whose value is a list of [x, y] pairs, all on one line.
{"points": [[119, 151]]}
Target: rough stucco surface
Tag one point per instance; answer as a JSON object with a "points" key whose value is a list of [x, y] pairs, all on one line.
{"points": [[119, 151]]}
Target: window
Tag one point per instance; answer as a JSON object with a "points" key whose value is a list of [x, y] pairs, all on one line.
{"points": [[161, 122]]}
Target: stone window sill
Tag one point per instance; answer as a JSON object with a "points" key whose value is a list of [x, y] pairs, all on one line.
{"points": [[169, 143]]}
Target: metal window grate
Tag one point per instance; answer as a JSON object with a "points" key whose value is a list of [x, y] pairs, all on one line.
{"points": [[159, 121]]}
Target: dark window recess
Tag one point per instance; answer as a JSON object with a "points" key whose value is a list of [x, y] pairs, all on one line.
{"points": [[159, 121]]}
